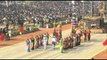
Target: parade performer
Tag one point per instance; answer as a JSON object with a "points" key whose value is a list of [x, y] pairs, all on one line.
{"points": [[2, 37], [85, 35], [47, 35], [71, 37], [28, 45], [61, 45], [60, 31], [65, 43], [88, 35], [53, 42], [21, 29], [78, 33], [33, 43], [82, 38], [104, 42], [76, 40], [70, 41], [79, 41], [37, 39], [54, 33], [44, 41], [58, 37], [72, 34], [9, 32], [5, 31], [40, 40]]}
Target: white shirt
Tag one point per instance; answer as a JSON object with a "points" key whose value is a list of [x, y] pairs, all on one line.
{"points": [[53, 39], [45, 39]]}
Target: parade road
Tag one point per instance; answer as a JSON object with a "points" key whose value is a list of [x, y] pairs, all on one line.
{"points": [[86, 50]]}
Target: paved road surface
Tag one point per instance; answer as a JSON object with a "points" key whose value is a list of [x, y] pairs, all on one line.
{"points": [[85, 50]]}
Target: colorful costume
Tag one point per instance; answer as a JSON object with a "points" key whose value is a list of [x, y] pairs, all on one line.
{"points": [[61, 45], [28, 45]]}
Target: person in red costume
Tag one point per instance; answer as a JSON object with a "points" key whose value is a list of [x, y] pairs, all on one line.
{"points": [[21, 29], [2, 37], [105, 43], [88, 35]]}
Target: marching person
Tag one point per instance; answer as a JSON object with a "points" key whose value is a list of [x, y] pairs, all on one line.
{"points": [[60, 31], [33, 43], [40, 40], [37, 39], [85, 35], [88, 35], [61, 45], [21, 29], [58, 37], [9, 33], [5, 31], [82, 37], [78, 34], [47, 37], [28, 45], [72, 36], [45, 41], [54, 32], [53, 42], [78, 39], [70, 42]]}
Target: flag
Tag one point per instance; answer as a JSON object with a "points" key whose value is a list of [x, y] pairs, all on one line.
{"points": [[105, 43]]}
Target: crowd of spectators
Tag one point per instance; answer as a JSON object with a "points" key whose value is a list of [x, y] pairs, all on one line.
{"points": [[18, 12], [35, 9]]}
